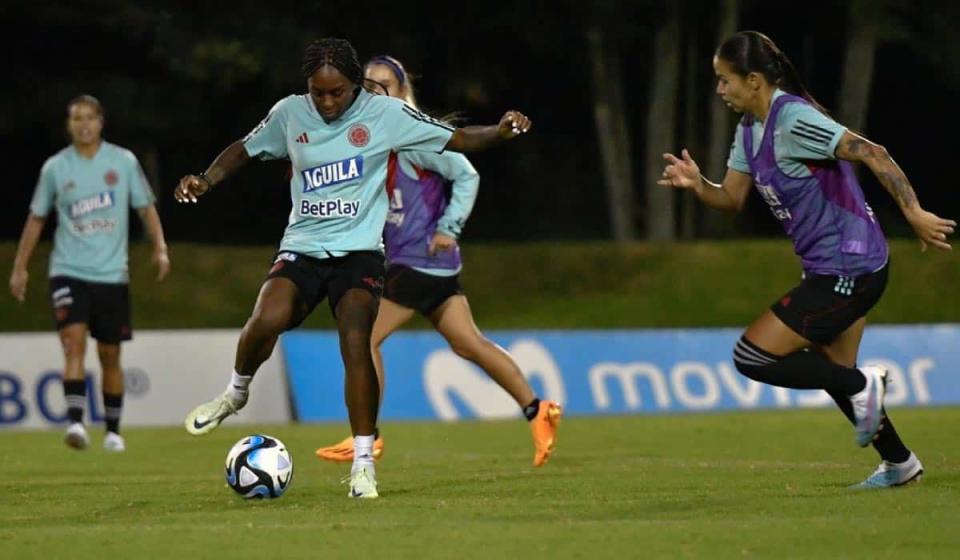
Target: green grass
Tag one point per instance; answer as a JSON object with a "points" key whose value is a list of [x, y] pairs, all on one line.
{"points": [[534, 285], [756, 484]]}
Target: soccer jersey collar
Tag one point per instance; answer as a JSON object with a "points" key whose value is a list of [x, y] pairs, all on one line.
{"points": [[361, 98]]}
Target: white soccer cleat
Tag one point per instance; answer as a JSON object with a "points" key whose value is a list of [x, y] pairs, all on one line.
{"points": [[114, 443], [363, 484], [76, 436], [206, 417], [890, 475], [868, 404]]}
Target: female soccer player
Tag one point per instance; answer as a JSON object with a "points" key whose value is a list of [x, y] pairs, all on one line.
{"points": [[90, 184], [338, 137], [798, 157], [424, 267]]}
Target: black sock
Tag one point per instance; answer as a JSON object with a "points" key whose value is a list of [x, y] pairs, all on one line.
{"points": [[531, 410], [376, 434], [888, 443], [75, 393], [112, 408], [800, 370]]}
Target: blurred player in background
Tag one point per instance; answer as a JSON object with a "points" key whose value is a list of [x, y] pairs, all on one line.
{"points": [[338, 137], [423, 269], [90, 184], [799, 159]]}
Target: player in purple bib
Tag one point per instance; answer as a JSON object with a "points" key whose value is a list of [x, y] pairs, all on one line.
{"points": [[431, 196], [800, 161]]}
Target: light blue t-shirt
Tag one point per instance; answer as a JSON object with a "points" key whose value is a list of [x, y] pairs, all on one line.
{"points": [[92, 197], [340, 168], [801, 133]]}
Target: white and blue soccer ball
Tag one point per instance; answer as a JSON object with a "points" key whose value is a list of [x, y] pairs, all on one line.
{"points": [[259, 466]]}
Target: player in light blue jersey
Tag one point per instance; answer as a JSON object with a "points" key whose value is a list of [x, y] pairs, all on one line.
{"points": [[338, 137], [424, 265], [799, 159], [91, 185]]}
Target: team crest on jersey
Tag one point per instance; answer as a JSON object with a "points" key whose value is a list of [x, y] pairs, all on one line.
{"points": [[91, 204], [110, 178], [334, 173], [69, 186], [359, 135]]}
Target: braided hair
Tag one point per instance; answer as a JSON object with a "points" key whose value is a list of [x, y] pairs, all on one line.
{"points": [[331, 51], [752, 51]]}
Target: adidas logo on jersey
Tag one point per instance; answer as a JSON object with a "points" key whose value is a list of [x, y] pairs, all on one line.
{"points": [[303, 139], [334, 173]]}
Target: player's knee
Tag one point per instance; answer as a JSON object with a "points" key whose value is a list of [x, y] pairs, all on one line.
{"points": [[109, 354], [751, 361], [267, 322], [468, 349], [74, 346]]}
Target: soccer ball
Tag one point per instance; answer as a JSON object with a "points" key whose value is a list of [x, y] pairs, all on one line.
{"points": [[259, 466]]}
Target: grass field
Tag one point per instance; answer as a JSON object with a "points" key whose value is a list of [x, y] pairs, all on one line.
{"points": [[758, 484]]}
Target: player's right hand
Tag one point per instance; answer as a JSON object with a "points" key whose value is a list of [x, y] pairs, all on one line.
{"points": [[681, 173], [18, 284], [190, 188]]}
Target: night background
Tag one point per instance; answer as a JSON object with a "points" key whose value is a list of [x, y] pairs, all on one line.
{"points": [[181, 80]]}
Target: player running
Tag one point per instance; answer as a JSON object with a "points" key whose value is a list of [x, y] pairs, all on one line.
{"points": [[798, 158], [424, 266]]}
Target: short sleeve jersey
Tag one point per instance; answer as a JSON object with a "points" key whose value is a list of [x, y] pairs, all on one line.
{"points": [[91, 197], [802, 133], [340, 167]]}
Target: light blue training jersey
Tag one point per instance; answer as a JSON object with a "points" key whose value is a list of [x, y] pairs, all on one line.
{"points": [[340, 168], [92, 197], [802, 133]]}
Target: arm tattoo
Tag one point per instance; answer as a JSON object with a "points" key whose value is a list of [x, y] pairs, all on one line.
{"points": [[897, 185], [854, 149]]}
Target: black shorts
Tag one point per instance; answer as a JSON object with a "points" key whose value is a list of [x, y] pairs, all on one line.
{"points": [[822, 307], [418, 290], [104, 308], [328, 278]]}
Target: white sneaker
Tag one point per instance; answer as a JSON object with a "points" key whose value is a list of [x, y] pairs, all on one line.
{"points": [[76, 436], [206, 417], [889, 475], [868, 404], [363, 484], [114, 443]]}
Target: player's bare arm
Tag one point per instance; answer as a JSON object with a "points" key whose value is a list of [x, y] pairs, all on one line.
{"points": [[151, 222], [684, 173], [28, 242], [229, 160], [930, 228], [478, 138]]}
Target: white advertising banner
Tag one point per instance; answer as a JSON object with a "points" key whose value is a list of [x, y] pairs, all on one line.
{"points": [[166, 374]]}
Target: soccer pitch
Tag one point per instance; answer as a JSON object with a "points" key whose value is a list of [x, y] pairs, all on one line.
{"points": [[754, 484]]}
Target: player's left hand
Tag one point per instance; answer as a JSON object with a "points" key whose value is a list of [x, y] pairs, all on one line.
{"points": [[513, 124], [931, 229], [162, 260], [441, 242]]}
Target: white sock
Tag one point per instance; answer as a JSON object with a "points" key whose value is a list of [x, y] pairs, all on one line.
{"points": [[239, 386], [363, 453]]}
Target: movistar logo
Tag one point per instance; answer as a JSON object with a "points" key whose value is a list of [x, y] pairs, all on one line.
{"points": [[334, 173], [90, 204]]}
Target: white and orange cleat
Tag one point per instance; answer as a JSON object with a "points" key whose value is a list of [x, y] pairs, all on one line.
{"points": [[544, 428]]}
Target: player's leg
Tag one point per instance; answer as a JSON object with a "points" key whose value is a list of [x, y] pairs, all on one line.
{"points": [[110, 326], [112, 386], [774, 349], [71, 302], [390, 317], [454, 320], [354, 291], [278, 306], [899, 465]]}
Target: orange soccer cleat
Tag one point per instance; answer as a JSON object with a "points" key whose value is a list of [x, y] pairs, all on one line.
{"points": [[544, 428], [342, 452]]}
